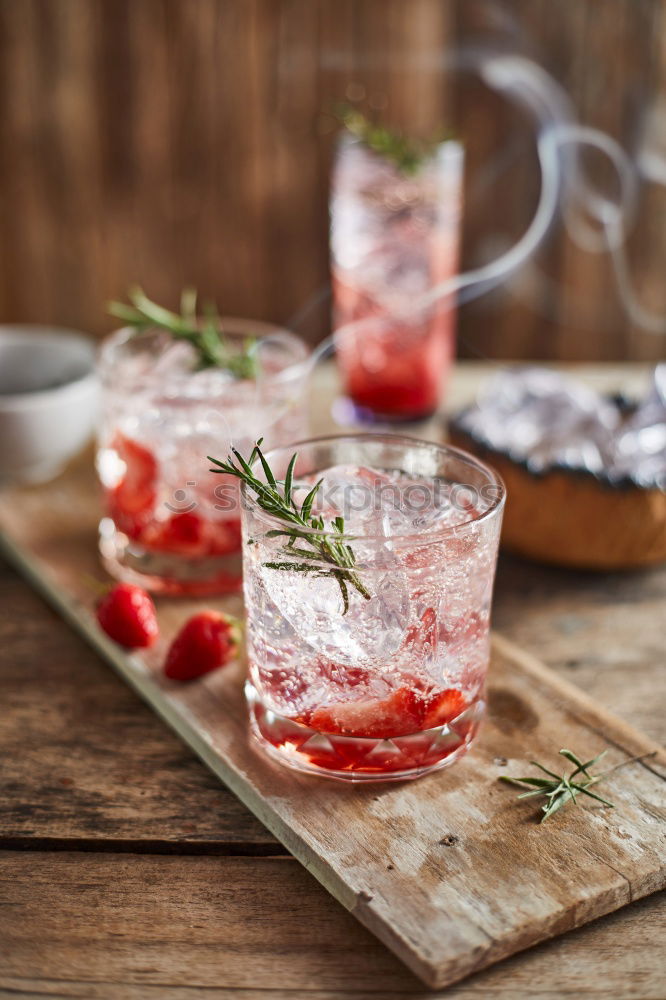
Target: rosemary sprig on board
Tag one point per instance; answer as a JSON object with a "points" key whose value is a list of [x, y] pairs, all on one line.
{"points": [[315, 546], [204, 333], [560, 789]]}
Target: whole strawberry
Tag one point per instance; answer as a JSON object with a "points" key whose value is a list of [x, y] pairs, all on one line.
{"points": [[206, 641], [127, 614]]}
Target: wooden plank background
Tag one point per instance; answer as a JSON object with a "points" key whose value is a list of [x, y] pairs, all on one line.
{"points": [[168, 141]]}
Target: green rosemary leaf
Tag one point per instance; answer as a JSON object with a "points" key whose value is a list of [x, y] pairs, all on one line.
{"points": [[253, 453], [289, 477], [292, 567], [293, 550], [127, 313], [570, 755], [307, 503], [157, 314], [244, 466], [188, 305], [536, 782], [545, 770], [583, 767], [593, 795], [344, 592], [556, 802], [268, 472]]}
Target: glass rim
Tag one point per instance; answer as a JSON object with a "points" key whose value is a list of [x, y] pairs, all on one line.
{"points": [[238, 327], [426, 537]]}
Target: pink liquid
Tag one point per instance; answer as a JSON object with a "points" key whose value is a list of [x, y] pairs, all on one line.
{"points": [[397, 372]]}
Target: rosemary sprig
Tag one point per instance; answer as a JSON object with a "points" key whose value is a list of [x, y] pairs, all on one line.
{"points": [[559, 790], [204, 333], [405, 152], [276, 498]]}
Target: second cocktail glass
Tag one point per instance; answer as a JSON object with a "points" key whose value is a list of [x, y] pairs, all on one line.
{"points": [[167, 527]]}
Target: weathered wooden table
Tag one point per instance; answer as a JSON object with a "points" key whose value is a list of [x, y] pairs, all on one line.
{"points": [[129, 872]]}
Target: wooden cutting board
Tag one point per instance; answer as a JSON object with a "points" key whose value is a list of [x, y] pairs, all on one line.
{"points": [[450, 871]]}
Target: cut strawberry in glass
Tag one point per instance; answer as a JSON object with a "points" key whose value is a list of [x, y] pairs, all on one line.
{"points": [[135, 493], [224, 537], [422, 639], [443, 707], [397, 715], [132, 525], [130, 503], [183, 533]]}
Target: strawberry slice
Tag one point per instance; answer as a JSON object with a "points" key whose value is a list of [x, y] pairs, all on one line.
{"points": [[183, 534], [131, 502], [422, 638], [396, 715], [442, 707], [136, 490], [188, 534], [224, 537]]}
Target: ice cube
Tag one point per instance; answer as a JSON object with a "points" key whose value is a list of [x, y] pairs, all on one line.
{"points": [[349, 490], [371, 630], [175, 359]]}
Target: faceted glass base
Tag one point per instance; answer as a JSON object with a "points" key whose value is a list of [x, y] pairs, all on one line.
{"points": [[164, 572], [357, 759]]}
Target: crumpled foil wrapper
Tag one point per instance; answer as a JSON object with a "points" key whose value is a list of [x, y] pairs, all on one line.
{"points": [[547, 420]]}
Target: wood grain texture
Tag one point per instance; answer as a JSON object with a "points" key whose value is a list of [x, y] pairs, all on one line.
{"points": [[383, 852], [612, 957], [85, 766], [605, 633], [168, 142], [182, 928]]}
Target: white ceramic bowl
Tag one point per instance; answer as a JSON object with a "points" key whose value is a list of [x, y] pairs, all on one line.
{"points": [[48, 399]]}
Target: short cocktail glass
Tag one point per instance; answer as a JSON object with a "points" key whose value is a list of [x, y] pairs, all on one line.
{"points": [[394, 236], [394, 687], [170, 524]]}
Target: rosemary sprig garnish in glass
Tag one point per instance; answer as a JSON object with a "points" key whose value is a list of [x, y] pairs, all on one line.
{"points": [[309, 544], [204, 333], [560, 789], [405, 152]]}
